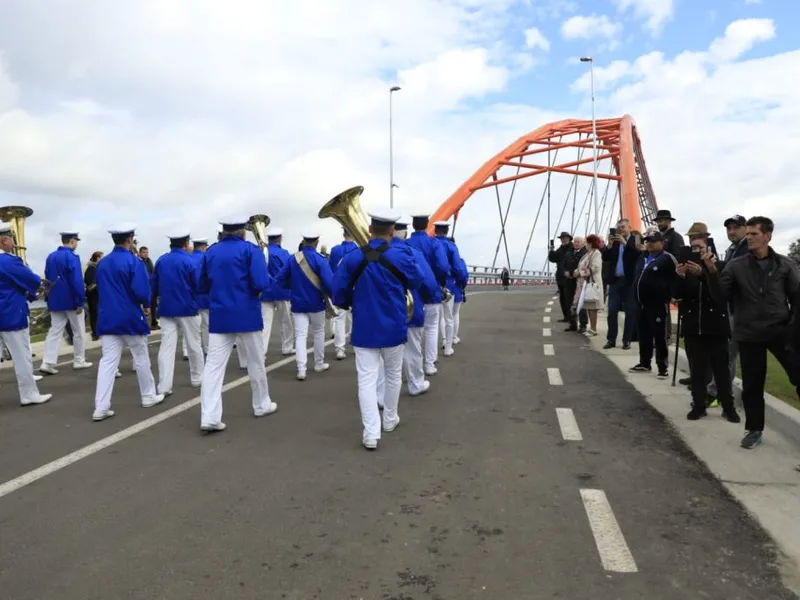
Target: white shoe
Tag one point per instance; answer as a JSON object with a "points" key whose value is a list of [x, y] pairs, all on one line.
{"points": [[289, 353], [213, 426], [431, 371], [391, 426], [166, 394], [48, 369], [456, 340], [151, 401], [102, 415], [340, 354], [370, 443], [40, 399], [38, 377], [78, 365], [301, 376], [271, 408], [119, 374], [321, 368], [449, 352], [426, 385], [197, 385]]}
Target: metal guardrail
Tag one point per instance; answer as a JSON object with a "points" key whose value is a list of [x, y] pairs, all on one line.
{"points": [[479, 275]]}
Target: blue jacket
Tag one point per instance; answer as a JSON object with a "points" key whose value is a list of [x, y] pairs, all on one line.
{"points": [[338, 252], [235, 275], [202, 299], [436, 256], [458, 295], [378, 298], [305, 297], [176, 281], [429, 288], [458, 275], [18, 284], [63, 270], [278, 257], [123, 285]]}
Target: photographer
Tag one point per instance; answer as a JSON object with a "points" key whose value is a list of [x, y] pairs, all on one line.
{"points": [[705, 330]]}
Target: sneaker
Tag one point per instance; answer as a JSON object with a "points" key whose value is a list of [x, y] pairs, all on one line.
{"points": [[752, 439], [731, 415], [640, 368], [81, 364], [271, 408], [370, 443], [697, 413], [340, 354], [40, 399], [321, 368], [663, 374], [426, 385], [456, 340], [431, 371], [102, 415], [301, 376], [48, 369], [150, 401], [211, 427], [449, 352]]}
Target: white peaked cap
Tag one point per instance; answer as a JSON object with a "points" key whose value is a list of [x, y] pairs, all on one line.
{"points": [[122, 229], [5, 227], [441, 224], [310, 234], [403, 221], [384, 215], [421, 216], [200, 240], [219, 228], [179, 234], [234, 222], [274, 232], [73, 232]]}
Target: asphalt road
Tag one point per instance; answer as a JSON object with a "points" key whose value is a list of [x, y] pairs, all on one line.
{"points": [[475, 496]]}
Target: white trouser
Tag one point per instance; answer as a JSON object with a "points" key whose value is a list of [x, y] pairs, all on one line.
{"points": [[287, 328], [340, 328], [219, 351], [456, 318], [19, 347], [190, 328], [301, 325], [267, 313], [447, 323], [412, 361], [112, 346], [432, 312], [58, 321], [203, 312], [368, 365]]}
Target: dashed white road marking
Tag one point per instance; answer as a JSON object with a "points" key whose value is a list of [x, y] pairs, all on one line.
{"points": [[614, 552], [65, 461], [554, 375], [546, 332], [549, 350], [568, 425], [545, 319], [548, 309], [550, 303]]}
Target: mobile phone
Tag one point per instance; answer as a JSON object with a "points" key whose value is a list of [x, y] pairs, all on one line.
{"points": [[612, 231], [685, 254]]}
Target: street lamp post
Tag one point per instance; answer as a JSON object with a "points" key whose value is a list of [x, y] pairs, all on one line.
{"points": [[392, 90], [590, 60]]}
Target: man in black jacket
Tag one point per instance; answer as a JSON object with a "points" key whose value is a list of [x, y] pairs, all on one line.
{"points": [[655, 274], [621, 265], [558, 256], [571, 285], [672, 239], [705, 330], [761, 287]]}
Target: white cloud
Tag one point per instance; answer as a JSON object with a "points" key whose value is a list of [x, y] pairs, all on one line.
{"points": [[740, 36], [590, 27], [655, 13], [535, 39]]}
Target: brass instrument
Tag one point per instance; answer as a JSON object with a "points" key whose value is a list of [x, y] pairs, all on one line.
{"points": [[257, 225], [346, 210]]}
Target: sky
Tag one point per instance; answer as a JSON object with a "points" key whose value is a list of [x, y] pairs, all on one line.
{"points": [[174, 114]]}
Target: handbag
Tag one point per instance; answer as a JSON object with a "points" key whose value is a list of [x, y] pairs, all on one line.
{"points": [[593, 291]]}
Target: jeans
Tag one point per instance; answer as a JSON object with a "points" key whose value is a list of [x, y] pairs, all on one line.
{"points": [[621, 298]]}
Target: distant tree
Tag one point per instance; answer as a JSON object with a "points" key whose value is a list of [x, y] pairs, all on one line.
{"points": [[794, 250]]}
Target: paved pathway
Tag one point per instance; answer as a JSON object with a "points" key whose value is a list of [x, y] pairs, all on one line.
{"points": [[508, 480]]}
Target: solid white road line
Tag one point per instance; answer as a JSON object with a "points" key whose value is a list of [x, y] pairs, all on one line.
{"points": [[568, 425], [554, 375], [614, 552], [545, 319], [548, 309], [546, 332], [549, 350], [65, 461]]}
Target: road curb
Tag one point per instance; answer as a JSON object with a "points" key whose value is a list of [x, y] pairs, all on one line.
{"points": [[780, 416]]}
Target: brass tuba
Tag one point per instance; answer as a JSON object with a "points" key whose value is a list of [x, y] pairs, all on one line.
{"points": [[346, 209], [257, 225]]}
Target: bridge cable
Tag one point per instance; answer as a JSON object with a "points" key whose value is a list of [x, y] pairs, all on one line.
{"points": [[503, 219], [548, 203]]}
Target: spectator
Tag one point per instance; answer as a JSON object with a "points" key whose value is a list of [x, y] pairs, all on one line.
{"points": [[558, 256], [92, 297], [571, 288], [761, 286], [622, 267], [144, 256], [505, 278], [672, 239], [590, 282]]}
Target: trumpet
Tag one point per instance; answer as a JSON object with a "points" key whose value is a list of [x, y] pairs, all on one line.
{"points": [[346, 209]]}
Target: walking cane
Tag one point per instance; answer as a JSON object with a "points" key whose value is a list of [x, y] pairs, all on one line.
{"points": [[677, 343]]}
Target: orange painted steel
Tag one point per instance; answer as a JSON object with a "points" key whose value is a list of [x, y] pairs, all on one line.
{"points": [[616, 141]]}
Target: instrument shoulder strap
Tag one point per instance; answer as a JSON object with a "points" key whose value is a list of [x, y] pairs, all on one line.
{"points": [[307, 270], [376, 255]]}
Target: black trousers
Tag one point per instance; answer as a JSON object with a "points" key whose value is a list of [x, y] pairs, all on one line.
{"points": [[653, 334], [753, 357], [570, 289], [564, 299], [708, 354], [92, 298]]}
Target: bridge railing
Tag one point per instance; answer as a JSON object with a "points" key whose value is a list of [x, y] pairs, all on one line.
{"points": [[480, 275]]}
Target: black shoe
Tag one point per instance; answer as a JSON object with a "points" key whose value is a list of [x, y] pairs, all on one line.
{"points": [[626, 345], [571, 328], [731, 415], [697, 413], [685, 380], [752, 439], [582, 329], [609, 345], [563, 320], [640, 368], [663, 373]]}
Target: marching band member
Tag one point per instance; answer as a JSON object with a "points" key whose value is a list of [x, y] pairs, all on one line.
{"points": [[276, 298], [125, 296], [455, 279], [175, 281], [340, 320], [18, 285], [65, 300], [436, 257], [309, 277], [374, 281], [199, 246], [234, 274], [458, 300]]}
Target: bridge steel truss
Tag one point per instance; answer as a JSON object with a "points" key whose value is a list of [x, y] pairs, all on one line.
{"points": [[618, 145]]}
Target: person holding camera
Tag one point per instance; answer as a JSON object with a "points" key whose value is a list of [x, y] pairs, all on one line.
{"points": [[705, 330]]}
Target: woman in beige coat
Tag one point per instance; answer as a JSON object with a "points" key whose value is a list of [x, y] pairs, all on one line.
{"points": [[590, 271]]}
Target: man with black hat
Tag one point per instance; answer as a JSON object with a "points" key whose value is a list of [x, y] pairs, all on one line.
{"points": [[558, 256], [655, 275], [672, 239]]}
